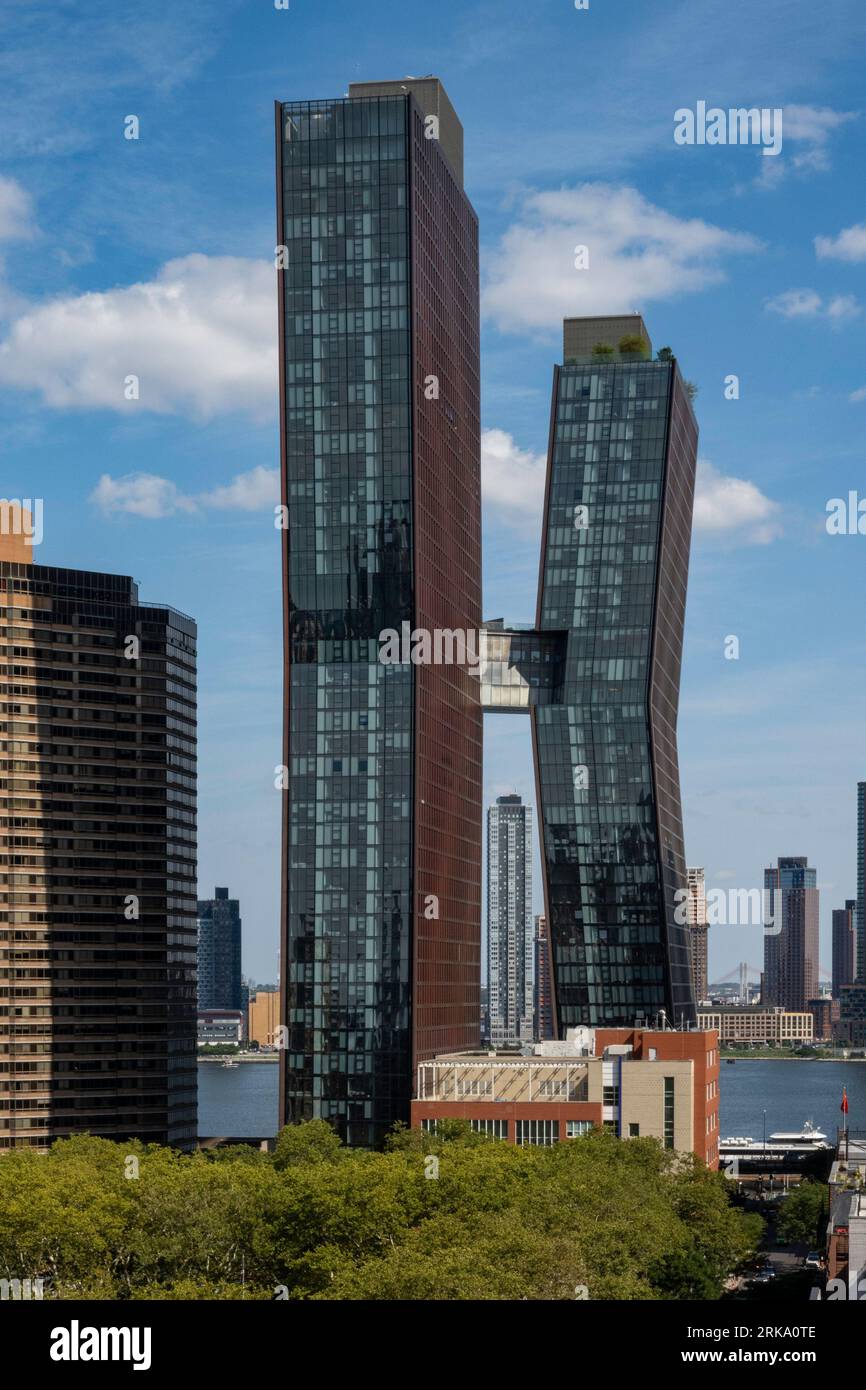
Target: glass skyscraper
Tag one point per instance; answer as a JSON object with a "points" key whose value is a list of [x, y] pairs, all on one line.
{"points": [[380, 440], [790, 935], [614, 569], [853, 996], [510, 938], [219, 952], [697, 934], [860, 919], [844, 946]]}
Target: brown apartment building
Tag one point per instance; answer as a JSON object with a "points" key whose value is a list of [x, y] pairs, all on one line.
{"points": [[97, 858]]}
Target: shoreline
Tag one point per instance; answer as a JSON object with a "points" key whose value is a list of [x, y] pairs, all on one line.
{"points": [[220, 1061], [723, 1058]]}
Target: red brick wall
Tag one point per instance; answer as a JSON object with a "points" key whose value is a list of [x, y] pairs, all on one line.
{"points": [[507, 1110], [678, 1047]]}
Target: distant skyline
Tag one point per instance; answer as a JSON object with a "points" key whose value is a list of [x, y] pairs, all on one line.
{"points": [[154, 257]]}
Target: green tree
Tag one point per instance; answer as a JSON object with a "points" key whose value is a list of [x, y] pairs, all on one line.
{"points": [[313, 1142], [633, 344], [441, 1216], [800, 1211]]}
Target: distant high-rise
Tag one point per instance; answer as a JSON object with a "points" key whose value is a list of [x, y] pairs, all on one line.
{"points": [[790, 935], [381, 480], [852, 1026], [220, 984], [698, 931], [860, 922], [510, 941], [263, 1017], [544, 1027], [844, 946], [97, 861]]}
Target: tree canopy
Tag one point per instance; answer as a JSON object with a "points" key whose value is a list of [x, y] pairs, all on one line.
{"points": [[452, 1215]]}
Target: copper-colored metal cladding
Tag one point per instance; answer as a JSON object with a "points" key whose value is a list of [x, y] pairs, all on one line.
{"points": [[446, 976]]}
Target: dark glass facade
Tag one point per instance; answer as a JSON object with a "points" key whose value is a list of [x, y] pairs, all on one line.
{"points": [[613, 578], [790, 977], [219, 953], [860, 913], [97, 861], [381, 482], [542, 986], [844, 946]]}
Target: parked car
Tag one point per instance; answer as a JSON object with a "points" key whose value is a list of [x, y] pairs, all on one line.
{"points": [[813, 1260]]}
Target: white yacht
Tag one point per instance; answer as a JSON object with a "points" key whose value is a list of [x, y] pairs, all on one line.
{"points": [[781, 1145]]}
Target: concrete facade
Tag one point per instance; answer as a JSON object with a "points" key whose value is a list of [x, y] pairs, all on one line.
{"points": [[751, 1023]]}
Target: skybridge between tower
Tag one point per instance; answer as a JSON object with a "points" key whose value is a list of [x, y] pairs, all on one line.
{"points": [[521, 667]]}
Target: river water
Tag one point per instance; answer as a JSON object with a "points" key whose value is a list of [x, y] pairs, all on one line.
{"points": [[242, 1101]]}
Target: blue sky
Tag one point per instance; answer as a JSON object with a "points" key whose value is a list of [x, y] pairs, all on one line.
{"points": [[154, 257]]}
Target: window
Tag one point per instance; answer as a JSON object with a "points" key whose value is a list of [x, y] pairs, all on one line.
{"points": [[669, 1112], [537, 1131], [474, 1086], [574, 1128], [633, 1131], [497, 1129], [611, 1095], [554, 1090]]}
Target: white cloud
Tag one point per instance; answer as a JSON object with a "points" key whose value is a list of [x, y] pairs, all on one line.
{"points": [[140, 494], [150, 496], [16, 224], [795, 304], [248, 492], [512, 481], [637, 253], [733, 506], [842, 306], [200, 336], [512, 489], [813, 124], [16, 212], [810, 127], [808, 304], [858, 395], [849, 245]]}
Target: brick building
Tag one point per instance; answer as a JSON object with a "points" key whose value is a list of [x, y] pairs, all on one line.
{"points": [[637, 1082]]}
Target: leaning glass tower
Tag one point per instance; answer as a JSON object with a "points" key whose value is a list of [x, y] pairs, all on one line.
{"points": [[614, 568]]}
